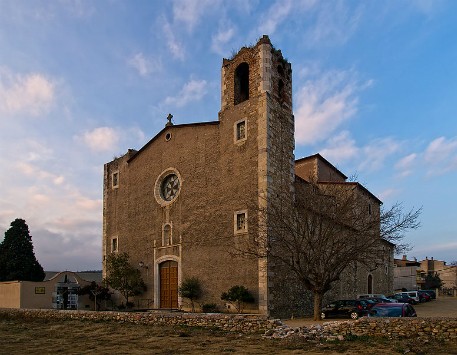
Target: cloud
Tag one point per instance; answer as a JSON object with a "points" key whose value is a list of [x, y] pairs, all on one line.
{"points": [[437, 247], [441, 155], [277, 13], [65, 222], [101, 139], [324, 103], [191, 11], [77, 248], [340, 148], [377, 152], [335, 23], [388, 194], [143, 65], [31, 94], [370, 157], [222, 37], [175, 47], [194, 90], [406, 164], [37, 173]]}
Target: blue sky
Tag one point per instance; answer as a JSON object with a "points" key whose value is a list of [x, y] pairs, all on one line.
{"points": [[375, 92]]}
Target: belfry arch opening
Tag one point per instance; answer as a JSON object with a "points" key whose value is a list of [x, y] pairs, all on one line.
{"points": [[241, 83], [281, 90]]}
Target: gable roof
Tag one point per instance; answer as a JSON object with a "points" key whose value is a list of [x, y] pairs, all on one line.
{"points": [[317, 156], [177, 126]]}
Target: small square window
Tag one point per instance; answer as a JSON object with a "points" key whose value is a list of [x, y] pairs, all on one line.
{"points": [[240, 131], [241, 222], [114, 245], [115, 179]]}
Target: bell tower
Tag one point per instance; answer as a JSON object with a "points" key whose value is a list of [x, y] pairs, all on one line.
{"points": [[256, 99]]}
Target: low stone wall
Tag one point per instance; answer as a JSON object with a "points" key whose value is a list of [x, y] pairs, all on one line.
{"points": [[416, 328], [243, 323]]}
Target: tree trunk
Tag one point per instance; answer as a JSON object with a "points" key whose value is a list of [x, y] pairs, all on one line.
{"points": [[318, 296]]}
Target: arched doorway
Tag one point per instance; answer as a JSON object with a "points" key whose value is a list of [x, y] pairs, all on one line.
{"points": [[168, 284], [370, 283]]}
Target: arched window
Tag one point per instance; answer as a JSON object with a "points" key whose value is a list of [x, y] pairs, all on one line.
{"points": [[370, 283], [241, 83]]}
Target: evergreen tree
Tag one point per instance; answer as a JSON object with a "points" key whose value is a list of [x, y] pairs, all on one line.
{"points": [[432, 281], [17, 259]]}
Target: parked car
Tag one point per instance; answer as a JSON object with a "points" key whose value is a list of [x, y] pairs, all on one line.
{"points": [[370, 295], [346, 309], [413, 294], [392, 310], [431, 293], [401, 298], [381, 299], [424, 296]]}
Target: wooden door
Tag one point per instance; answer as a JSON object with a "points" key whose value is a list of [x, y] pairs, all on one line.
{"points": [[169, 284]]}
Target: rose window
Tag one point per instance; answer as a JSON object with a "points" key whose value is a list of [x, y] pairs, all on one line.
{"points": [[170, 187]]}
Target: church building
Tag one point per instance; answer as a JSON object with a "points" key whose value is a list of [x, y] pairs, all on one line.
{"points": [[180, 204]]}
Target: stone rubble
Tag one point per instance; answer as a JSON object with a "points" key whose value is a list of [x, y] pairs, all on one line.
{"points": [[422, 329]]}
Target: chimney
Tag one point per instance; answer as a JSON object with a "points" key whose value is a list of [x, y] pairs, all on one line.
{"points": [[404, 258]]}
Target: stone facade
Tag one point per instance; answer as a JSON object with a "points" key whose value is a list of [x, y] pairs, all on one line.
{"points": [[193, 193]]}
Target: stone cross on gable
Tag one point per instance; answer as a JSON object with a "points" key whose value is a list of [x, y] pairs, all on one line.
{"points": [[169, 117]]}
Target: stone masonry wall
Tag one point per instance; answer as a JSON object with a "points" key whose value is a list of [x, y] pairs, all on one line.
{"points": [[393, 328], [231, 322]]}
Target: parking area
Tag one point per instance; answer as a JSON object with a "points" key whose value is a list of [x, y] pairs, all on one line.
{"points": [[441, 307]]}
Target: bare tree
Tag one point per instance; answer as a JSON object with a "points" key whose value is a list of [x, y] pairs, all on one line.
{"points": [[328, 227], [395, 223]]}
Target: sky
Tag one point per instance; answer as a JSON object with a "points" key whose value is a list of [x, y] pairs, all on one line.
{"points": [[374, 91]]}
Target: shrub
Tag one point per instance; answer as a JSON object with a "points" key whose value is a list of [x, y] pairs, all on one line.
{"points": [[210, 308], [190, 288], [238, 296]]}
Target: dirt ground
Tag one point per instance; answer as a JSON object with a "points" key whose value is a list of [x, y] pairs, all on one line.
{"points": [[41, 336]]}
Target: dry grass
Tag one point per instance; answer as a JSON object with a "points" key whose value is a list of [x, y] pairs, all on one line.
{"points": [[41, 336]]}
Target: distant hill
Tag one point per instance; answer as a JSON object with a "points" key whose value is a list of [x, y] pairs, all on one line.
{"points": [[90, 275]]}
